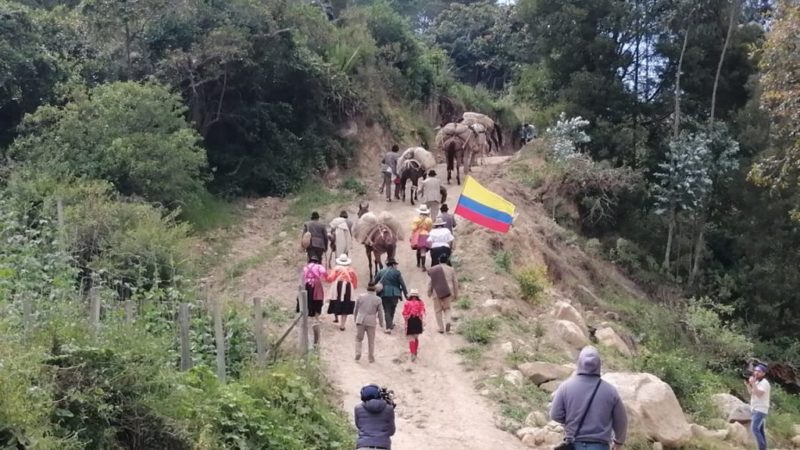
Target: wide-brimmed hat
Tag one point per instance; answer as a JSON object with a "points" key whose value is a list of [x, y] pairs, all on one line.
{"points": [[439, 223], [423, 209], [413, 293], [343, 260]]}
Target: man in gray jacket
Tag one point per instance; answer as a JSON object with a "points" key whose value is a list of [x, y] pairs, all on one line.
{"points": [[606, 421], [368, 313]]}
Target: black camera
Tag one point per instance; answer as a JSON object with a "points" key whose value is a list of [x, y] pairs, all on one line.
{"points": [[387, 395], [747, 373]]}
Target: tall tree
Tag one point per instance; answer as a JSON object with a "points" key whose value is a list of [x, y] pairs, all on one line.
{"points": [[780, 64]]}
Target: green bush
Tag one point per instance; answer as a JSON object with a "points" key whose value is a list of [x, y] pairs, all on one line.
{"points": [[479, 330], [503, 261], [132, 135], [532, 282], [355, 186], [278, 408]]}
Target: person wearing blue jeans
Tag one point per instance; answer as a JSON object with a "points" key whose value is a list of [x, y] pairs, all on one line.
{"points": [[759, 389], [590, 409]]}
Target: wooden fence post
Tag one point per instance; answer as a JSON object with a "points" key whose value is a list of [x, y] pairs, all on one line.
{"points": [[258, 331], [219, 335], [186, 345], [94, 310], [303, 294], [62, 224], [130, 310], [27, 313]]}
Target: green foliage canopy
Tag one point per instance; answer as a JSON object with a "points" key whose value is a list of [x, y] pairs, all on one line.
{"points": [[132, 135]]}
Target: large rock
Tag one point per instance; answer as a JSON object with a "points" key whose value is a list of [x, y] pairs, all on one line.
{"points": [[702, 432], [731, 408], [796, 441], [539, 437], [542, 372], [514, 377], [740, 435], [571, 333], [550, 386], [536, 419], [609, 338], [565, 311], [653, 410]]}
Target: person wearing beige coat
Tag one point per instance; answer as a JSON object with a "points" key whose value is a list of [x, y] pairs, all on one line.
{"points": [[430, 193], [443, 289], [368, 313]]}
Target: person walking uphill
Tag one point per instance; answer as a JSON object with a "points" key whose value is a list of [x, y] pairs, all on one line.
{"points": [[389, 170], [420, 229], [759, 389], [443, 288], [440, 241], [368, 313], [430, 192], [374, 420], [313, 275], [316, 236], [413, 313], [344, 281], [393, 290], [590, 410]]}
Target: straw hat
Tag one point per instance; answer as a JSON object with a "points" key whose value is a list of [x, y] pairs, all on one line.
{"points": [[343, 260], [423, 209], [439, 222], [413, 293]]}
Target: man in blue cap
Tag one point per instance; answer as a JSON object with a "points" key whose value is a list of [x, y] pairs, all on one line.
{"points": [[759, 388]]}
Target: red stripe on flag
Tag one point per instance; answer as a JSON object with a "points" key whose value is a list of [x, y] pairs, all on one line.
{"points": [[482, 220]]}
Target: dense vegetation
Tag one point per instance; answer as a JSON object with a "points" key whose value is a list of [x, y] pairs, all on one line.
{"points": [[674, 131]]}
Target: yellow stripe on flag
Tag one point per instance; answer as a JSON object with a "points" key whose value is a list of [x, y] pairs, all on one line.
{"points": [[480, 194]]}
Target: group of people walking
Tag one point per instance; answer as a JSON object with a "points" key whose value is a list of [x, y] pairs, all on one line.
{"points": [[378, 305]]}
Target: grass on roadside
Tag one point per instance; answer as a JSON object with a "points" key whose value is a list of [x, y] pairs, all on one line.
{"points": [[314, 196], [210, 212]]}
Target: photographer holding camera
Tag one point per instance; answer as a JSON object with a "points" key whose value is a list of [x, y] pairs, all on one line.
{"points": [[759, 389], [375, 418]]}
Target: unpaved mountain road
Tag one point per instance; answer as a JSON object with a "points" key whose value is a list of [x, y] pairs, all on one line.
{"points": [[438, 407]]}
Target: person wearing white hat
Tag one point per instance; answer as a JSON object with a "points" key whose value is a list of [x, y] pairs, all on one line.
{"points": [[420, 228], [344, 281], [440, 241], [413, 313]]}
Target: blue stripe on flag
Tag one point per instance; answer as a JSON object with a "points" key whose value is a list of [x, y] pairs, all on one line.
{"points": [[484, 210]]}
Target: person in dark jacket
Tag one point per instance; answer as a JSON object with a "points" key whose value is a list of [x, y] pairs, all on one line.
{"points": [[394, 290], [606, 421], [319, 237], [374, 420]]}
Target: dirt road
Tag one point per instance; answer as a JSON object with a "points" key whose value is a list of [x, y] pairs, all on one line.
{"points": [[438, 407]]}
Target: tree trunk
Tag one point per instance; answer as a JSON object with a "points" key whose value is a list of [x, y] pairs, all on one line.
{"points": [[731, 22], [670, 234], [129, 65], [677, 119], [699, 244]]}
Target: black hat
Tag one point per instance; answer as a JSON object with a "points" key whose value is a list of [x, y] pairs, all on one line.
{"points": [[391, 262]]}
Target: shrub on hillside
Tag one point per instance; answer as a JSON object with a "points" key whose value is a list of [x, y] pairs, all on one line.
{"points": [[132, 135], [532, 282], [132, 248], [479, 330]]}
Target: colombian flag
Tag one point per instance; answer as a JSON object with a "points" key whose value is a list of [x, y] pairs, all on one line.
{"points": [[482, 206]]}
